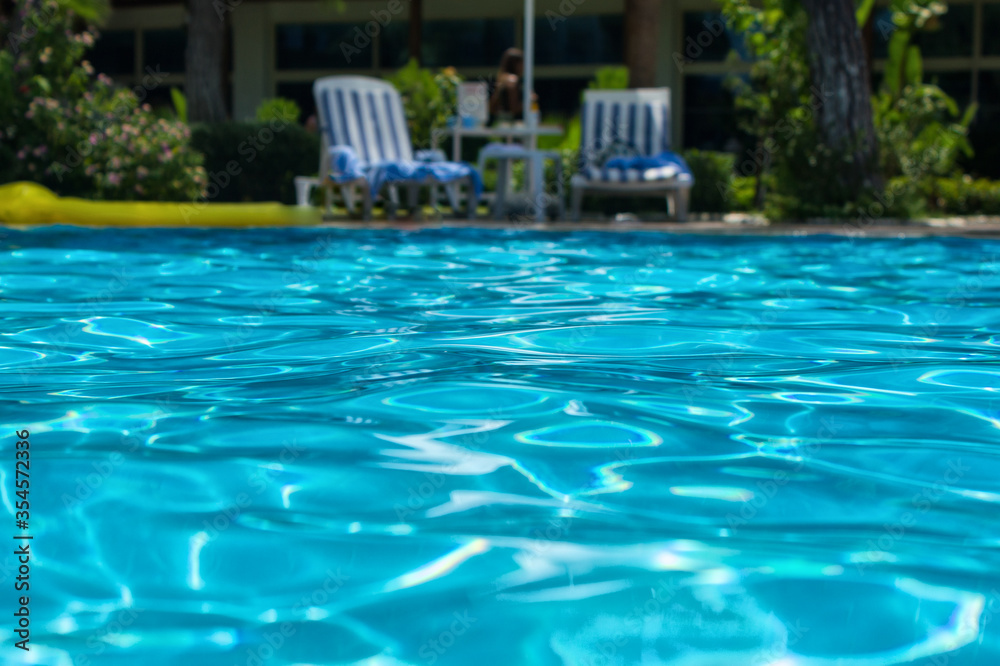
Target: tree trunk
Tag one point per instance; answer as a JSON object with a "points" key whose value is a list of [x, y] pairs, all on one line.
{"points": [[204, 62], [415, 36], [842, 91], [641, 30]]}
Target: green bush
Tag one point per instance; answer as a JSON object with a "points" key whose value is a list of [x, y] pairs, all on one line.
{"points": [[743, 194], [278, 108], [964, 196], [428, 99], [267, 158], [611, 77], [79, 134], [713, 180]]}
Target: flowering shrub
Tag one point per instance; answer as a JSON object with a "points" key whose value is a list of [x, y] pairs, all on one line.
{"points": [[77, 133]]}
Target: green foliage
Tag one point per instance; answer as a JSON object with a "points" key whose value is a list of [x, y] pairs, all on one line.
{"points": [[713, 180], [742, 195], [961, 195], [904, 65], [79, 134], [180, 104], [776, 105], [278, 108], [922, 132], [267, 158], [610, 78], [428, 99]]}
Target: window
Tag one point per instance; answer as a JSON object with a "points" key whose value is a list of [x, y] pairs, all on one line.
{"points": [[301, 94], [560, 96], [708, 39], [952, 38], [958, 85], [164, 48], [983, 133], [580, 40], [710, 114], [465, 43], [394, 45], [114, 53], [991, 28], [323, 46]]}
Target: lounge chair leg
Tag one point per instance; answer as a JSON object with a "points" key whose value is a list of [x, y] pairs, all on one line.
{"points": [[392, 203], [328, 198], [471, 199], [500, 199], [560, 193], [413, 202], [347, 192], [682, 199], [366, 202], [433, 193], [577, 203]]}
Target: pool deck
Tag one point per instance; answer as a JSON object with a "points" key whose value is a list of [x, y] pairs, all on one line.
{"points": [[731, 225]]}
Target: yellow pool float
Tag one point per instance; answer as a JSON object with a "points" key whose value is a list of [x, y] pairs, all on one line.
{"points": [[26, 203]]}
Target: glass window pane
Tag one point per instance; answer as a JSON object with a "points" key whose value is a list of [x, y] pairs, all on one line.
{"points": [[465, 43], [560, 96], [580, 40], [322, 46], [707, 39], [114, 52], [985, 131], [164, 48], [394, 45], [956, 84], [991, 29], [952, 37], [710, 114], [302, 94]]}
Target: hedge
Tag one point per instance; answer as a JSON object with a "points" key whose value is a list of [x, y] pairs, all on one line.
{"points": [[255, 161]]}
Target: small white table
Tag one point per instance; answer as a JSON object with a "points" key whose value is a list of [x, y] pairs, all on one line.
{"points": [[519, 131], [509, 132]]}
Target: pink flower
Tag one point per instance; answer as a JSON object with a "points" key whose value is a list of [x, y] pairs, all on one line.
{"points": [[87, 67], [141, 173], [39, 151], [21, 154], [115, 178], [93, 139], [91, 170]]}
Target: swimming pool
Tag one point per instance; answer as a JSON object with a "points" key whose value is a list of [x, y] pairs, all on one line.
{"points": [[483, 447]]}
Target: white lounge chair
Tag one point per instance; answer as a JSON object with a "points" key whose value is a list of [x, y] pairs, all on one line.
{"points": [[366, 145], [625, 149]]}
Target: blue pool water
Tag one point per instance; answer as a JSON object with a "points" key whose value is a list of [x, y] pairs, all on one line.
{"points": [[463, 447]]}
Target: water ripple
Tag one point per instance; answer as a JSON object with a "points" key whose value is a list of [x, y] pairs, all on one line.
{"points": [[454, 447]]}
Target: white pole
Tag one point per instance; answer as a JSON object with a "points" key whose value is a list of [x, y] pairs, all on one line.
{"points": [[529, 59]]}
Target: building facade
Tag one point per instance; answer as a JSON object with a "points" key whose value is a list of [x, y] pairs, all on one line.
{"points": [[278, 47]]}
